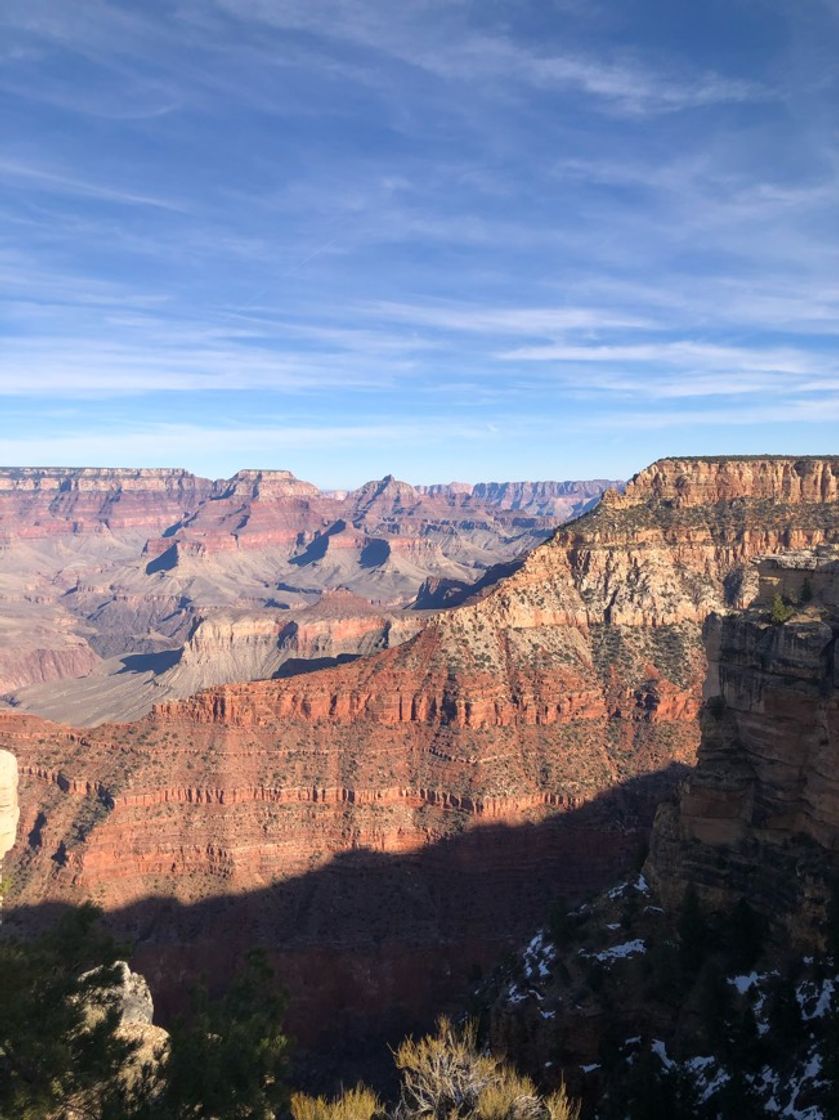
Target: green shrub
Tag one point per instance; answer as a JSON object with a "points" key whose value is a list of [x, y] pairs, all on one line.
{"points": [[780, 611]]}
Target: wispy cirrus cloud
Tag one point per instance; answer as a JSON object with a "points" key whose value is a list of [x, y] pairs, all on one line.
{"points": [[34, 177], [697, 355], [433, 39], [506, 320], [219, 450]]}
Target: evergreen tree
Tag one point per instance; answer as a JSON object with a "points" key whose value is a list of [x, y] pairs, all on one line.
{"points": [[714, 1002], [60, 1053], [784, 1015], [62, 1056], [229, 1057], [780, 611], [744, 936], [832, 920], [737, 1098]]}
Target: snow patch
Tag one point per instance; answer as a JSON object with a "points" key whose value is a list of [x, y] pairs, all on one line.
{"points": [[620, 952], [514, 995], [641, 884], [744, 983], [700, 1064], [538, 956], [815, 1001], [714, 1084], [660, 1051]]}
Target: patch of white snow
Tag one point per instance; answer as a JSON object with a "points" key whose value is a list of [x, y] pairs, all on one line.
{"points": [[744, 983], [660, 1051], [621, 952]]}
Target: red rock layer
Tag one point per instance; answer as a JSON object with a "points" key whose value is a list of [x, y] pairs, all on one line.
{"points": [[52, 501]]}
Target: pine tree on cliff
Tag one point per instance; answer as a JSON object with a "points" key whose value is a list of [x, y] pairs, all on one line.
{"points": [[52, 1059], [229, 1057], [693, 932], [780, 611], [64, 1057]]}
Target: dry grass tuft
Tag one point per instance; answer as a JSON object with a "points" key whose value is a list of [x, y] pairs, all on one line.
{"points": [[359, 1103], [446, 1077]]}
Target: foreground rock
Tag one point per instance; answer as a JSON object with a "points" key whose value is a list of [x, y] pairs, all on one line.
{"points": [[759, 817]]}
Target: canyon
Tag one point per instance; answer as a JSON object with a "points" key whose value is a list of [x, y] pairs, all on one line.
{"points": [[146, 584], [387, 826]]}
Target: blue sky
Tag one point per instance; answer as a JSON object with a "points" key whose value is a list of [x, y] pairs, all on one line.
{"points": [[439, 238]]}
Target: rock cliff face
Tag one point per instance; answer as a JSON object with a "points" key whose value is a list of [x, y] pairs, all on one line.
{"points": [[698, 481], [515, 746], [759, 817], [9, 812], [108, 565], [715, 967]]}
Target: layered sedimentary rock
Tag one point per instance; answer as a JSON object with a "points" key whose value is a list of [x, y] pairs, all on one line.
{"points": [[230, 647], [37, 654], [558, 500], [103, 569], [43, 502], [415, 808], [760, 814], [715, 968]]}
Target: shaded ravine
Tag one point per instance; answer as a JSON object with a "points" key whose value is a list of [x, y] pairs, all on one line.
{"points": [[372, 945]]}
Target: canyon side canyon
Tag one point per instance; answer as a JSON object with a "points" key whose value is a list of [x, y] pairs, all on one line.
{"points": [[389, 825]]}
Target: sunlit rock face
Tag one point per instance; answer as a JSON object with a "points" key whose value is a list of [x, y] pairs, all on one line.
{"points": [[9, 812]]}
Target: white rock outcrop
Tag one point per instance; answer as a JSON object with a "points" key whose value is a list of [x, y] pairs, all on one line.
{"points": [[9, 811]]}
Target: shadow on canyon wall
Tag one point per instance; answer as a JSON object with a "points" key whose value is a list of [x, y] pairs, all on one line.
{"points": [[370, 946]]}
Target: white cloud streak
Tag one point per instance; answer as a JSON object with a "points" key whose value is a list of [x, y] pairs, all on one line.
{"points": [[32, 176]]}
